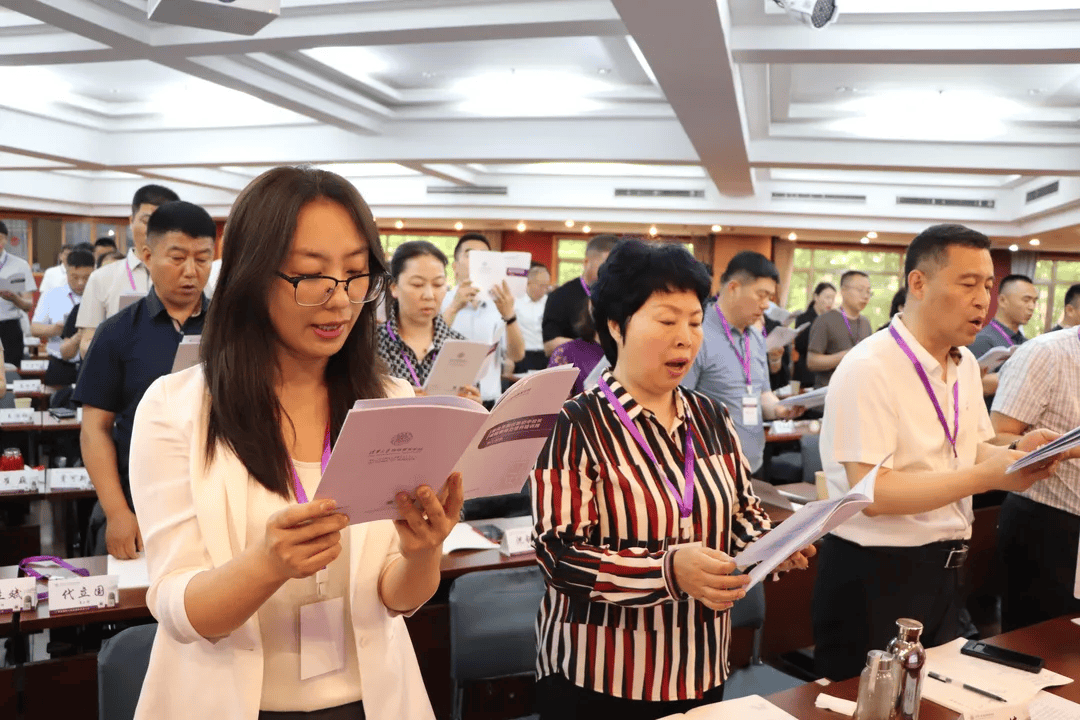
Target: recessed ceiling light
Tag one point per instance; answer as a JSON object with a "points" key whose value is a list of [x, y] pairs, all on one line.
{"points": [[459, 226], [872, 235], [399, 224], [864, 240], [1034, 241], [716, 228], [586, 229], [1014, 248], [653, 231], [792, 237], [521, 227], [604, 70], [569, 223]]}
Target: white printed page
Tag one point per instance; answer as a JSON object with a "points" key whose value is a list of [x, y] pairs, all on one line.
{"points": [[808, 400], [1062, 444], [14, 283], [457, 365], [187, 353], [781, 336], [517, 271], [486, 269], [501, 456], [385, 450], [751, 706], [995, 356]]}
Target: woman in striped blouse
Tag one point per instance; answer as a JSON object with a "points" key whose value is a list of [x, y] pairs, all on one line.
{"points": [[640, 497]]}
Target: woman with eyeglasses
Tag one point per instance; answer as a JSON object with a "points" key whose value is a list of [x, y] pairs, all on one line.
{"points": [[268, 605], [414, 331]]}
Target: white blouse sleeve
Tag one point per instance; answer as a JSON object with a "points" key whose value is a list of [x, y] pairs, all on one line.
{"points": [[160, 471]]}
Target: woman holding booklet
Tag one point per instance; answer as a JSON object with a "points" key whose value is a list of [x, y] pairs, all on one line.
{"points": [[640, 498], [270, 606], [414, 331]]}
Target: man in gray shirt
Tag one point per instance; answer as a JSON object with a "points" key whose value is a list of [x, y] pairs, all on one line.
{"points": [[732, 366], [834, 333], [1017, 296]]}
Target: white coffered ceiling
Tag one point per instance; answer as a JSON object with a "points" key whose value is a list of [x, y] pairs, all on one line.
{"points": [[539, 110]]}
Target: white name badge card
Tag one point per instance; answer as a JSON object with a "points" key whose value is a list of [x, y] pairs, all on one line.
{"points": [[67, 479], [19, 416], [31, 341], [83, 593], [34, 365], [516, 540], [27, 386], [18, 594]]}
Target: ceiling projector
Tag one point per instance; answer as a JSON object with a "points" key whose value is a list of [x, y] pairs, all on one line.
{"points": [[815, 13], [240, 17]]}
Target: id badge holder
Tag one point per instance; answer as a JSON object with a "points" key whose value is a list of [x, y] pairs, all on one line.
{"points": [[322, 632], [751, 408]]}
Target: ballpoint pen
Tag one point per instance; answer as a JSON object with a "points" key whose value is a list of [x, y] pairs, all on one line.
{"points": [[972, 688]]}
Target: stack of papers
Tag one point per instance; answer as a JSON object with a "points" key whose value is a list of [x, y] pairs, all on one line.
{"points": [[808, 400], [808, 524], [996, 356], [781, 336], [751, 706], [1017, 687], [129, 573], [1055, 447]]}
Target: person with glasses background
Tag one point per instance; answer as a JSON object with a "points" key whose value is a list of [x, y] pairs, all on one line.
{"points": [[132, 349], [414, 331], [226, 454], [834, 333]]}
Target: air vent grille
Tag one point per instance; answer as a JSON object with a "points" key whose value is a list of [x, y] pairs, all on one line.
{"points": [[658, 193], [946, 202], [466, 190], [820, 197], [1042, 192]]}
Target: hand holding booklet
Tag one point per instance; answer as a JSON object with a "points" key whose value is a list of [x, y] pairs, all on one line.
{"points": [[781, 336], [394, 445], [810, 523], [996, 356], [808, 400], [1051, 449]]}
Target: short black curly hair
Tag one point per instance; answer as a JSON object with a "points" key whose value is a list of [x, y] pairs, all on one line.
{"points": [[632, 273]]}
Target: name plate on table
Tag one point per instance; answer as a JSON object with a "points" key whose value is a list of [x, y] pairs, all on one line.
{"points": [[17, 594], [34, 365], [19, 416], [31, 341], [27, 480], [26, 386], [83, 593], [516, 541], [67, 479]]}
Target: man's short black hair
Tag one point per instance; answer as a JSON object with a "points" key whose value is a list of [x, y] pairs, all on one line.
{"points": [[1072, 295], [3, 229], [105, 242], [601, 244], [850, 274], [83, 246], [749, 266], [932, 245], [629, 277], [466, 238], [156, 195], [180, 216], [1010, 279], [80, 258]]}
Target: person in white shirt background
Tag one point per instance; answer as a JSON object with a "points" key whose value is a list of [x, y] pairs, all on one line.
{"points": [[224, 459], [131, 277], [483, 320], [51, 313], [103, 246], [911, 397], [530, 315], [56, 276], [14, 303]]}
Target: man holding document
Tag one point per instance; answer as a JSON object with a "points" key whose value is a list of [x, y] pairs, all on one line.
{"points": [[912, 394]]}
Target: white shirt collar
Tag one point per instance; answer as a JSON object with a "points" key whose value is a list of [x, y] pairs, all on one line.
{"points": [[929, 362], [133, 261]]}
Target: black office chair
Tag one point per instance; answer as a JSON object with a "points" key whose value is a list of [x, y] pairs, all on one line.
{"points": [[122, 665], [757, 678]]}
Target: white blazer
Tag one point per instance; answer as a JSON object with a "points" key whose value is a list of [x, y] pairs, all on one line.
{"points": [[193, 517]]}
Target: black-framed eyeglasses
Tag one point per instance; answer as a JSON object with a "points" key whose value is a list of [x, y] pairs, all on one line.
{"points": [[315, 290]]}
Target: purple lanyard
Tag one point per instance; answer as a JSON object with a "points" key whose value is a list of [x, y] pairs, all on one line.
{"points": [[933, 398], [298, 489], [404, 355], [1001, 331], [847, 322], [25, 567], [584, 286], [745, 359], [684, 501], [71, 297], [131, 278]]}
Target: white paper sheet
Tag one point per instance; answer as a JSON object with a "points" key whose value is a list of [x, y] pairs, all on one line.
{"points": [[457, 365], [1047, 706], [486, 269], [1062, 444], [781, 336], [779, 314], [808, 400], [464, 537], [517, 271], [15, 283], [751, 706], [995, 356], [129, 573], [187, 353], [809, 523]]}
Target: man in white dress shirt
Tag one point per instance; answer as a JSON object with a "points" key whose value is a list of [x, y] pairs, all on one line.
{"points": [[52, 312], [131, 278], [911, 396], [17, 298], [56, 276], [530, 315]]}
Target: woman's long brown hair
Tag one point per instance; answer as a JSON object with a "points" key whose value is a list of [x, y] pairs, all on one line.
{"points": [[239, 345]]}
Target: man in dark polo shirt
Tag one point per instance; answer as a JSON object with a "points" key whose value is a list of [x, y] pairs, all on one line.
{"points": [[567, 302], [131, 350]]}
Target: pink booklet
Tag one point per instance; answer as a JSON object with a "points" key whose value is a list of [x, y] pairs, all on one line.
{"points": [[394, 445]]}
